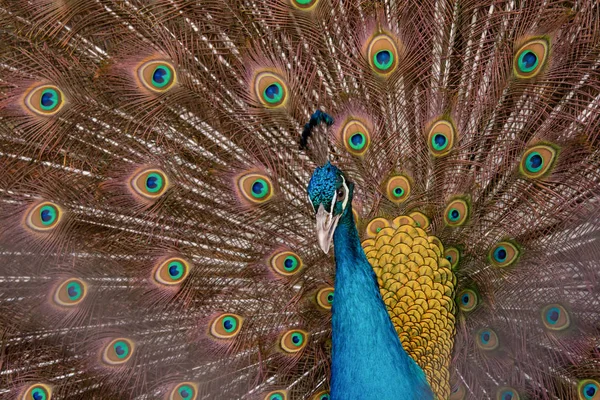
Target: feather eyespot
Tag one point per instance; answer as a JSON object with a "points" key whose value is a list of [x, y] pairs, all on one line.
{"points": [[467, 300], [457, 392], [44, 217], [325, 298], [441, 138], [530, 59], [39, 391], [375, 226], [172, 271], [286, 263], [555, 317], [506, 393], [452, 255], [503, 254], [304, 4], [356, 137], [404, 220], [421, 220], [226, 326], [324, 395], [184, 391], [382, 53], [157, 76], [277, 395], [255, 188], [588, 389], [150, 183], [70, 293], [456, 213], [398, 189], [270, 89], [537, 161], [45, 100], [118, 351], [487, 339], [294, 341]]}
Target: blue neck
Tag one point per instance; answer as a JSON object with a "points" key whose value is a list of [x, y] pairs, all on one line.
{"points": [[368, 361]]}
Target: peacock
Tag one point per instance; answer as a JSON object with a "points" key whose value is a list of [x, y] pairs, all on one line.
{"points": [[300, 199]]}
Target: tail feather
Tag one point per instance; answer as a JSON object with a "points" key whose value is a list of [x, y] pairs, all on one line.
{"points": [[156, 265]]}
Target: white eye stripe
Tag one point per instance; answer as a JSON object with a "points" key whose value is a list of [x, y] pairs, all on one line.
{"points": [[347, 193], [333, 202], [311, 203]]}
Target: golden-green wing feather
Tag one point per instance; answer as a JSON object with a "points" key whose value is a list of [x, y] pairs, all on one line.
{"points": [[417, 285]]}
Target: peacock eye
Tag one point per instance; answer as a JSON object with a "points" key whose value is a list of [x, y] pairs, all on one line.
{"points": [[184, 391], [325, 298], [356, 137], [458, 392], [467, 300], [172, 271], [43, 217], [487, 339], [157, 76], [357, 141], [456, 213], [118, 351], [293, 341], [555, 317], [270, 89], [589, 389], [507, 394], [421, 220], [321, 396], [226, 326], [398, 189], [537, 161], [38, 391], [45, 100], [441, 138], [305, 4], [383, 54], [70, 293], [531, 58], [452, 255], [286, 263], [277, 395], [256, 188], [376, 226], [150, 183], [503, 254]]}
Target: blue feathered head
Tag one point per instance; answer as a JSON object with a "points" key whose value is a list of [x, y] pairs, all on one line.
{"points": [[329, 193]]}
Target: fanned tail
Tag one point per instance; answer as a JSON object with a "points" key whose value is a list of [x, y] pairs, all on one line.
{"points": [[156, 240]]}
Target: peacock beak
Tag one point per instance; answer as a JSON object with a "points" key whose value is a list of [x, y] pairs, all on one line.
{"points": [[326, 224]]}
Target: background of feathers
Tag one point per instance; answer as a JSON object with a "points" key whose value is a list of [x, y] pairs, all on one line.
{"points": [[455, 60]]}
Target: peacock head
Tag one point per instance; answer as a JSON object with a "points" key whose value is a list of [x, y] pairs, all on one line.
{"points": [[329, 193]]}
